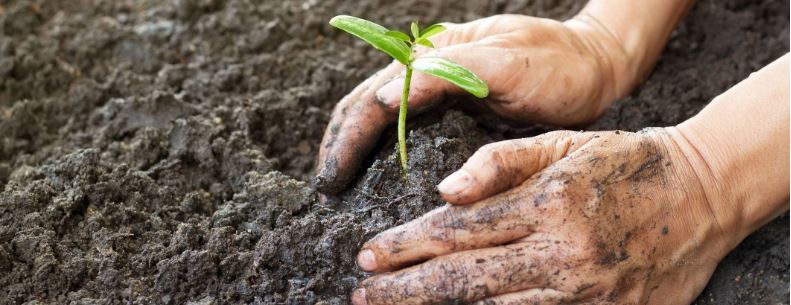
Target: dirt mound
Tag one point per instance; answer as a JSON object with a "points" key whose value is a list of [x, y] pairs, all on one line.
{"points": [[155, 151]]}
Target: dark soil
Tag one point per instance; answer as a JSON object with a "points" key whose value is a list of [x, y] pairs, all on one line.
{"points": [[155, 152]]}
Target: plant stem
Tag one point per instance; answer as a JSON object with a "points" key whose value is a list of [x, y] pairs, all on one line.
{"points": [[402, 121]]}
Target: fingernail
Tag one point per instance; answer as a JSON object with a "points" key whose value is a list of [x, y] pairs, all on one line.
{"points": [[328, 180], [455, 183], [358, 297], [366, 260]]}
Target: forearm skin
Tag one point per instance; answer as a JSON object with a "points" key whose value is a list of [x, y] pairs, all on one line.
{"points": [[739, 145], [631, 35]]}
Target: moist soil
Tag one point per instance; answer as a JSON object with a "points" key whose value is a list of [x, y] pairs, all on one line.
{"points": [[160, 152]]}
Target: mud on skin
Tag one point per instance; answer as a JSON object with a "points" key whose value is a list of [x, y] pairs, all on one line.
{"points": [[155, 151], [602, 176]]}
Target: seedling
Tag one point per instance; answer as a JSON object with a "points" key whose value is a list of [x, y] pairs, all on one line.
{"points": [[401, 47]]}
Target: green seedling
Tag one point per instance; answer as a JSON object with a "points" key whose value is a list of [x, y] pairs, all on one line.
{"points": [[401, 47]]}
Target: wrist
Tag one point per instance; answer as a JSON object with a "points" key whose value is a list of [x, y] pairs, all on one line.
{"points": [[736, 183], [741, 138], [705, 213], [615, 65], [619, 63], [631, 34], [715, 202]]}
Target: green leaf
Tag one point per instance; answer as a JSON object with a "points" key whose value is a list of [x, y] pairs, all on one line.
{"points": [[432, 30], [398, 35], [415, 29], [452, 72], [373, 34], [424, 42]]}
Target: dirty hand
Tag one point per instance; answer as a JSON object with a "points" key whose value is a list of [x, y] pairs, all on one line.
{"points": [[596, 217], [538, 70], [600, 217]]}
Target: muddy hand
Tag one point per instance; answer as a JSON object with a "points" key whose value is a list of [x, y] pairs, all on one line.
{"points": [[538, 70], [596, 217], [599, 217]]}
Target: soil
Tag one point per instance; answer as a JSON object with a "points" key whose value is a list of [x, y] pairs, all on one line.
{"points": [[160, 152]]}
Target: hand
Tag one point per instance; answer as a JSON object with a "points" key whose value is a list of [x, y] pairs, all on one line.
{"points": [[593, 218], [538, 70]]}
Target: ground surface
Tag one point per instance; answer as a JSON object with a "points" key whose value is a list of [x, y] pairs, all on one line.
{"points": [[154, 152]]}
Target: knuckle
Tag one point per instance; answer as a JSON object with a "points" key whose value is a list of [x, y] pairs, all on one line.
{"points": [[551, 196], [492, 152], [558, 134], [504, 44], [553, 187], [450, 277], [498, 158], [585, 252], [488, 148], [454, 34], [341, 107], [442, 230], [380, 288], [389, 105]]}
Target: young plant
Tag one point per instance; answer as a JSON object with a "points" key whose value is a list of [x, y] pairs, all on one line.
{"points": [[402, 47]]}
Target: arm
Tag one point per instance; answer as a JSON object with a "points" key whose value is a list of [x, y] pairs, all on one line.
{"points": [[637, 31], [740, 144]]}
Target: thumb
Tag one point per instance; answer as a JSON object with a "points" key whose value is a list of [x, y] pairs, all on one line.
{"points": [[426, 89], [502, 165]]}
